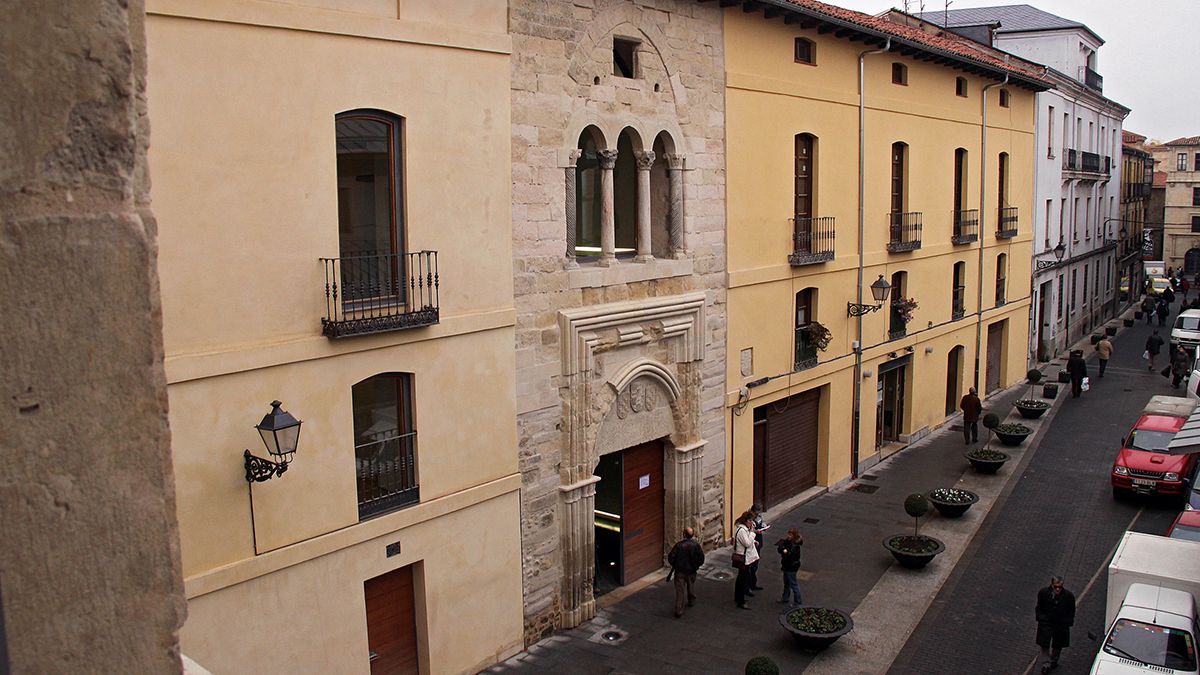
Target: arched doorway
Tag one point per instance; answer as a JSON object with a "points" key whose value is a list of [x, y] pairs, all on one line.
{"points": [[1191, 262]]}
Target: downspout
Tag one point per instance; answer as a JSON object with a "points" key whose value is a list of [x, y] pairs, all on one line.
{"points": [[982, 222], [862, 130]]}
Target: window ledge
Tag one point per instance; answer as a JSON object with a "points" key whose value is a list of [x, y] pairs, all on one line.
{"points": [[592, 275]]}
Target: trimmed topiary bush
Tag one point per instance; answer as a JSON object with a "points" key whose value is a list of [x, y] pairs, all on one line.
{"points": [[761, 665], [917, 506]]}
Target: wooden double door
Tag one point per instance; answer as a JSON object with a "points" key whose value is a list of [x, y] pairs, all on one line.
{"points": [[629, 515]]}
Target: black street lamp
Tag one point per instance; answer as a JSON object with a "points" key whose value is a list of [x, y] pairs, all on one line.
{"points": [[879, 291], [280, 434], [1059, 251]]}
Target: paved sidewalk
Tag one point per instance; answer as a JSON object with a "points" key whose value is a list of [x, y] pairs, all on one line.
{"points": [[844, 565]]}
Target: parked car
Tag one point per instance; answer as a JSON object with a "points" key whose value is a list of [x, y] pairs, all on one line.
{"points": [[1186, 526], [1186, 330], [1193, 483], [1156, 285], [1143, 465]]}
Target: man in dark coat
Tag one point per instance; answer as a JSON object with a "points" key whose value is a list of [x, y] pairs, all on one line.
{"points": [[1163, 310], [1055, 615], [685, 559], [1077, 369], [1154, 345], [972, 407]]}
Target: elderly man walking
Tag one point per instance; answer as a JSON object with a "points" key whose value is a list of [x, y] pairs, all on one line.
{"points": [[972, 407], [1055, 615], [685, 559]]}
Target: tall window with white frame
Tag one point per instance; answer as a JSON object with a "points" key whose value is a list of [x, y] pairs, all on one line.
{"points": [[385, 444]]}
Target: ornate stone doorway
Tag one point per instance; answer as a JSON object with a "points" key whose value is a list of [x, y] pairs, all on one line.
{"points": [[630, 536]]}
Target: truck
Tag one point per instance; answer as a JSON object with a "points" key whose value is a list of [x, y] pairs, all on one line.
{"points": [[1143, 465], [1150, 611]]}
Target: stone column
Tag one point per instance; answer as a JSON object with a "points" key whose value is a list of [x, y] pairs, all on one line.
{"points": [[675, 225], [608, 228], [645, 160], [684, 483], [577, 520], [571, 206]]}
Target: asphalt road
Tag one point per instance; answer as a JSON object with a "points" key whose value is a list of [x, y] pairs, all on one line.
{"points": [[1059, 518]]}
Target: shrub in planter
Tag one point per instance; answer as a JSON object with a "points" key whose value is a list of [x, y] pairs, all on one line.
{"points": [[985, 460], [1064, 376], [1031, 408], [761, 665], [952, 502], [1128, 322], [914, 550], [813, 627], [990, 421], [1012, 434], [1110, 330], [1049, 390]]}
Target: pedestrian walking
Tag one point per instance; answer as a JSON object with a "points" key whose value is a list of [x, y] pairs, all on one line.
{"points": [[1104, 351], [760, 527], [744, 553], [685, 558], [789, 563], [1148, 308], [972, 408], [1077, 369], [1181, 365], [1184, 287], [1168, 295], [1153, 346], [1163, 309], [1055, 615]]}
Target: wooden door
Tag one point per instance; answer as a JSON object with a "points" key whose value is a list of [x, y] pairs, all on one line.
{"points": [[953, 378], [392, 623], [892, 406], [790, 465], [642, 511], [995, 350]]}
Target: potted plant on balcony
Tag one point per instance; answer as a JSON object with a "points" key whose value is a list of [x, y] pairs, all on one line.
{"points": [[1029, 407], [815, 628], [904, 308], [915, 550], [952, 502], [818, 335], [1012, 434]]}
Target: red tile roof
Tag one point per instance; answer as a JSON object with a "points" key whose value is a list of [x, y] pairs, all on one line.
{"points": [[1186, 140], [943, 41], [1131, 137]]}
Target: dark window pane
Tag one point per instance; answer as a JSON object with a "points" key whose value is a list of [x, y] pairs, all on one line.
{"points": [[624, 58], [364, 170], [804, 50]]}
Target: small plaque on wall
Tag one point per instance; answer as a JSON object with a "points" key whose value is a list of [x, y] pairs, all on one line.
{"points": [[643, 482], [393, 549]]}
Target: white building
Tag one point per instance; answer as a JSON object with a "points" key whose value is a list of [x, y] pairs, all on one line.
{"points": [[1078, 181]]}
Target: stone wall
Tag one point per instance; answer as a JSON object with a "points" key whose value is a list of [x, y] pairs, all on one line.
{"points": [[562, 80], [90, 561]]}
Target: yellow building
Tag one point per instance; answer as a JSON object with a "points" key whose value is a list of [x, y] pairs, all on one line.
{"points": [[331, 186], [942, 199]]}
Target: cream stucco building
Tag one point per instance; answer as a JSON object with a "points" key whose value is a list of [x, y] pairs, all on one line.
{"points": [[1179, 159], [919, 176], [332, 186]]}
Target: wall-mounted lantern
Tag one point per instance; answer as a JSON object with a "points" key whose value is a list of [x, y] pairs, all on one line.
{"points": [[280, 434], [1059, 251], [879, 291]]}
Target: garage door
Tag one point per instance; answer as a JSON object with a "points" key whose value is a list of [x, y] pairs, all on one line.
{"points": [[790, 455]]}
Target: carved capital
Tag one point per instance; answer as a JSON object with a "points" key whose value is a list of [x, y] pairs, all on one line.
{"points": [[644, 160], [674, 161], [573, 157], [608, 159]]}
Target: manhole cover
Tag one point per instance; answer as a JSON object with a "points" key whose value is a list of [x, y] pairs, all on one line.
{"points": [[812, 521], [610, 636], [722, 576], [865, 489]]}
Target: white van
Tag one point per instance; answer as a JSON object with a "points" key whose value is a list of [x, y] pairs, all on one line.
{"points": [[1186, 330]]}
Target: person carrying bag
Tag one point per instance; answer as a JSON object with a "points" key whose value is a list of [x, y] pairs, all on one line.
{"points": [[745, 552]]}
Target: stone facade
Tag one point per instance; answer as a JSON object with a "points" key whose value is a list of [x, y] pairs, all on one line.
{"points": [[615, 349], [90, 561]]}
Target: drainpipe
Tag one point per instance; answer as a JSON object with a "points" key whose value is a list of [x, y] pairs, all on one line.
{"points": [[862, 131], [982, 221]]}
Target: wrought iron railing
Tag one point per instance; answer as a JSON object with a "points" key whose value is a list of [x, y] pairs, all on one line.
{"points": [[1071, 160], [377, 292], [1090, 162], [966, 226], [897, 333], [958, 307], [806, 351], [812, 240], [1006, 222], [1093, 79], [387, 474], [904, 231], [1000, 297]]}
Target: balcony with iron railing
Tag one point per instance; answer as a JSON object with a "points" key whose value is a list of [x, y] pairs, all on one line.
{"points": [[1087, 162], [812, 241], [966, 226], [958, 306], [1006, 222], [387, 474], [1093, 80], [904, 231], [378, 292], [806, 351], [1000, 297]]}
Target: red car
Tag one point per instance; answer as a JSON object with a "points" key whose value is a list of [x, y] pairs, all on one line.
{"points": [[1186, 526], [1143, 465]]}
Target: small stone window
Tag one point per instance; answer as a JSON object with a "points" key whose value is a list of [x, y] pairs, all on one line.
{"points": [[806, 51], [960, 86], [899, 74], [625, 57], [1003, 98]]}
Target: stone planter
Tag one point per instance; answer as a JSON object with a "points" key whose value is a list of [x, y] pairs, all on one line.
{"points": [[1012, 438], [953, 509], [1031, 409], [988, 465], [911, 559], [1064, 376], [1110, 330], [1049, 390], [1129, 322], [815, 641]]}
